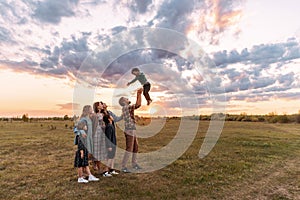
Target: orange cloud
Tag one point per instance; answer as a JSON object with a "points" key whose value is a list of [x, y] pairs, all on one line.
{"points": [[68, 106], [224, 20], [215, 20]]}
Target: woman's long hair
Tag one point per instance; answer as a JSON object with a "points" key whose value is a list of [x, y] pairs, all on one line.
{"points": [[102, 110], [95, 107], [85, 111]]}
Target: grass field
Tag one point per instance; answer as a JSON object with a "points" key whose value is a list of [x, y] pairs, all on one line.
{"points": [[250, 161]]}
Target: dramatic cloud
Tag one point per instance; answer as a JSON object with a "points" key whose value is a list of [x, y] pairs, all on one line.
{"points": [[53, 38], [92, 2], [71, 51], [140, 6], [174, 14], [262, 72], [136, 58], [51, 11], [5, 36], [207, 20], [289, 95], [227, 12], [14, 12], [215, 17], [264, 54]]}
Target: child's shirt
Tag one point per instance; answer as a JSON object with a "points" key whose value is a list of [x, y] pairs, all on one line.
{"points": [[80, 143], [141, 78], [77, 132]]}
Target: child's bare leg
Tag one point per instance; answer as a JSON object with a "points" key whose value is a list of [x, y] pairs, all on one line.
{"points": [[91, 176], [80, 173], [87, 169], [83, 171]]}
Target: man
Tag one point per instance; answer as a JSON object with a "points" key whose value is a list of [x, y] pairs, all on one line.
{"points": [[130, 130]]}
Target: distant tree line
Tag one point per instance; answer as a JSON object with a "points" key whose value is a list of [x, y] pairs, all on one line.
{"points": [[26, 118], [243, 117]]}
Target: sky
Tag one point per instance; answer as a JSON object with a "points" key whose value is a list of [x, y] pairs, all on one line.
{"points": [[56, 56]]}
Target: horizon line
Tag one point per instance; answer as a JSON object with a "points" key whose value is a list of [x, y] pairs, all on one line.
{"points": [[156, 116]]}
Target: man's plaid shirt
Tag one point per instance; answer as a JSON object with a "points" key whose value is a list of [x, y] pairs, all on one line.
{"points": [[128, 116]]}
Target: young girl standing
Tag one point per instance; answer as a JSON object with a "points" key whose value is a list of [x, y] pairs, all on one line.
{"points": [[81, 156]]}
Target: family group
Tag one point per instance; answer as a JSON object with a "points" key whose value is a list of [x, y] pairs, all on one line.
{"points": [[95, 135]]}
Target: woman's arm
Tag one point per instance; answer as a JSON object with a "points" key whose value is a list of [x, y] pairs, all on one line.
{"points": [[115, 117]]}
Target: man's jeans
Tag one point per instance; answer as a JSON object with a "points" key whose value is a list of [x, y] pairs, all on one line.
{"points": [[131, 147]]}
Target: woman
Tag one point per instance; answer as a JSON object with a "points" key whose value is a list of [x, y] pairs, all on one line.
{"points": [[100, 151]]}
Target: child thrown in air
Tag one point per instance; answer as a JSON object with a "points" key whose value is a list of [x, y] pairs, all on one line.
{"points": [[140, 76]]}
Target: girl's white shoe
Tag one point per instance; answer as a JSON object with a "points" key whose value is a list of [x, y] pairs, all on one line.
{"points": [[82, 180], [93, 178]]}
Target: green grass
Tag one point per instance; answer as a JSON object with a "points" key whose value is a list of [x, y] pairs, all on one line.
{"points": [[250, 159]]}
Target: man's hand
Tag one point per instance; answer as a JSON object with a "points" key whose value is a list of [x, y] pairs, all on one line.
{"points": [[84, 135], [139, 92], [109, 149], [81, 154]]}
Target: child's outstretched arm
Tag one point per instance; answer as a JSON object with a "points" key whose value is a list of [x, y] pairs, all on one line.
{"points": [[133, 80]]}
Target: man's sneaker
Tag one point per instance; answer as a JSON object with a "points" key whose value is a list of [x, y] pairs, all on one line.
{"points": [[136, 167], [82, 180], [113, 172], [106, 174], [125, 170], [93, 178]]}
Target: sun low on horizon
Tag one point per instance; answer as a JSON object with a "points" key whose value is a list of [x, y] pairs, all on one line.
{"points": [[255, 53]]}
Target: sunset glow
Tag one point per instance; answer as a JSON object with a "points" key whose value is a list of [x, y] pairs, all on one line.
{"points": [[255, 51]]}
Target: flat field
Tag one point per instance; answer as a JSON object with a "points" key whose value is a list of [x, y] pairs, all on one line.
{"points": [[250, 161]]}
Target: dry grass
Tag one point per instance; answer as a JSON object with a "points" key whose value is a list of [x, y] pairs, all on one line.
{"points": [[250, 161]]}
